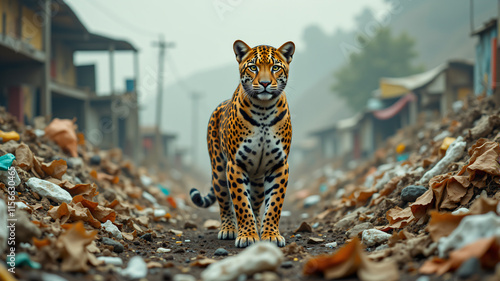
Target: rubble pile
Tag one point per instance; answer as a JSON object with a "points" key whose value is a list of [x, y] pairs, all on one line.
{"points": [[73, 207], [426, 203]]}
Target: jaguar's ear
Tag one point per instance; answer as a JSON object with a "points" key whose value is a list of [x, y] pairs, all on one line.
{"points": [[287, 50], [240, 50]]}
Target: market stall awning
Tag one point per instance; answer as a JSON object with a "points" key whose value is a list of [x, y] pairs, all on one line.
{"points": [[394, 109]]}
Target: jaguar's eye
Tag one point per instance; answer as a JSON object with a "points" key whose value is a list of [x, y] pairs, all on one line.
{"points": [[275, 68], [253, 68]]}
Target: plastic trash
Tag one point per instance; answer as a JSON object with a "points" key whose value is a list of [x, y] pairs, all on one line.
{"points": [[23, 259], [108, 226], [136, 268], [454, 152], [261, 256], [47, 189], [6, 161], [8, 136], [470, 229]]}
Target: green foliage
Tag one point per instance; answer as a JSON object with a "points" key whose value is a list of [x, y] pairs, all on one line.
{"points": [[382, 55]]}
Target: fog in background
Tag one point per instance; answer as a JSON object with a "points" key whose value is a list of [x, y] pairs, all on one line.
{"points": [[202, 60]]}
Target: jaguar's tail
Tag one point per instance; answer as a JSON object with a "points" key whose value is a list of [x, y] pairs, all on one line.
{"points": [[201, 201]]}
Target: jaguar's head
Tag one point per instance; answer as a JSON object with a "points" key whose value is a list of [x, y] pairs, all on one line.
{"points": [[263, 69]]}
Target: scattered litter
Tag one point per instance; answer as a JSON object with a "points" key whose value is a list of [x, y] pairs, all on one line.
{"points": [[49, 190], [331, 245], [315, 240], [372, 237], [454, 152], [136, 268], [108, 226], [470, 229], [311, 201], [350, 259], [23, 259], [163, 250], [460, 211], [211, 224], [261, 256], [62, 132], [111, 260], [8, 136], [6, 161]]}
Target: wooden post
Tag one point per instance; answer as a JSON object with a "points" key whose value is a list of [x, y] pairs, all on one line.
{"points": [[46, 95]]}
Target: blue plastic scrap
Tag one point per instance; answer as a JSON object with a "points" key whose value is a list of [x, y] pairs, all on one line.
{"points": [[6, 161]]}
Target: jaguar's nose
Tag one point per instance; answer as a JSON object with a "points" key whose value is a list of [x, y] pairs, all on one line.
{"points": [[265, 83]]}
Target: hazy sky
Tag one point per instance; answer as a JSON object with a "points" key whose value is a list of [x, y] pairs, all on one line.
{"points": [[203, 32]]}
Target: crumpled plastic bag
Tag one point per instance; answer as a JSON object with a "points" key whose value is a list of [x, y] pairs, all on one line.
{"points": [[6, 161], [62, 132]]}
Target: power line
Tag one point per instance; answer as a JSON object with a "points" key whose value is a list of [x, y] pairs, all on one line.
{"points": [[121, 21]]}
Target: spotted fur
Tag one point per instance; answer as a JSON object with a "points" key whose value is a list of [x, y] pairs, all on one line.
{"points": [[249, 140]]}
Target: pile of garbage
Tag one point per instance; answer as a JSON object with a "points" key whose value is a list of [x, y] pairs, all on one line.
{"points": [[69, 207], [426, 203]]}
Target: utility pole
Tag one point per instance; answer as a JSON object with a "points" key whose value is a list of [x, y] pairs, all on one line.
{"points": [[195, 97], [163, 45]]}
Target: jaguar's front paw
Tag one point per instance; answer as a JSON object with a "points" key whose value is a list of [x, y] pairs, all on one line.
{"points": [[273, 237], [227, 233], [245, 240]]}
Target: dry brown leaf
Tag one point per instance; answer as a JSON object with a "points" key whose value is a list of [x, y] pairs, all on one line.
{"points": [[348, 260], [73, 213], [24, 157], [443, 224], [87, 190], [101, 213], [483, 205], [203, 262], [62, 132], [485, 249], [422, 204], [388, 189], [211, 224], [73, 246], [399, 218], [55, 169]]}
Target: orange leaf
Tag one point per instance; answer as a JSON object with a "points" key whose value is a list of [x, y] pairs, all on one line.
{"points": [[56, 168], [443, 224], [39, 243]]}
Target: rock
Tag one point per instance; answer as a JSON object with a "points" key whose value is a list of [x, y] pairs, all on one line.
{"points": [[147, 237], [311, 201], [211, 224], [136, 268], [470, 229], [176, 232], [453, 153], [372, 237], [166, 275], [4, 231], [221, 252], [5, 177], [346, 221], [286, 214], [357, 229], [49, 190], [75, 163], [109, 227], [189, 225], [163, 250], [412, 192], [381, 247], [146, 181], [184, 277], [111, 260], [287, 264], [470, 267], [261, 256], [304, 227], [117, 246], [423, 278], [331, 245], [315, 240], [95, 160]]}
